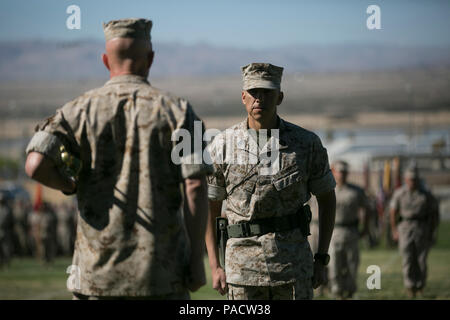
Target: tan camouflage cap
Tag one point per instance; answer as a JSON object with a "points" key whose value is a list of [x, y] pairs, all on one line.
{"points": [[412, 172], [128, 28], [261, 75]]}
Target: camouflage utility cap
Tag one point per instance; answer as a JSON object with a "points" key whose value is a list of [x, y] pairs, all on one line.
{"points": [[412, 172], [128, 28], [261, 75]]}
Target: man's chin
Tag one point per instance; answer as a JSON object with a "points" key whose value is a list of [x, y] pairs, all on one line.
{"points": [[256, 116], [258, 112]]}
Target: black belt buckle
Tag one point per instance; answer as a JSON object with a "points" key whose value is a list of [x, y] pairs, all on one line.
{"points": [[245, 229], [304, 219]]}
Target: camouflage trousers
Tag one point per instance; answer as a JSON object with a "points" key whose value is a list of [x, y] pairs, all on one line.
{"points": [[414, 246], [300, 290], [343, 267], [184, 295]]}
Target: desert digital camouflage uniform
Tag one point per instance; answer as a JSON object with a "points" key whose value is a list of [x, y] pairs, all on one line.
{"points": [[277, 265], [416, 209], [344, 250], [65, 227], [131, 240], [43, 230]]}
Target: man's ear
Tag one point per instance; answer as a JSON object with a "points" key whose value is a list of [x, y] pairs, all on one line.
{"points": [[280, 98], [243, 95], [105, 61]]}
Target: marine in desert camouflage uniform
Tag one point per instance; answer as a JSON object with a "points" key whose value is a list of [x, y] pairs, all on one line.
{"points": [[134, 240], [351, 205], [43, 224], [65, 228], [277, 264], [414, 222]]}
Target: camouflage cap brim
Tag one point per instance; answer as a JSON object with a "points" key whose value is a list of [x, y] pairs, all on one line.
{"points": [[261, 75], [260, 83]]}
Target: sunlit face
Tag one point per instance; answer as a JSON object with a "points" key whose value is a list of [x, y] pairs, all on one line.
{"points": [[261, 103]]}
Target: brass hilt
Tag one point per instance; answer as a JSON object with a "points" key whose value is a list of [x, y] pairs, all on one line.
{"points": [[72, 165]]}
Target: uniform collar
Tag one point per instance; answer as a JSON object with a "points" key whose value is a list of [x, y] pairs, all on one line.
{"points": [[281, 125], [127, 78], [243, 126]]}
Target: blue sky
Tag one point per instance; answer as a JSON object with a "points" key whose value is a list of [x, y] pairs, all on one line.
{"points": [[250, 24]]}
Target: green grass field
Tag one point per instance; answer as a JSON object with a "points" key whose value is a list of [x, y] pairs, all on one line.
{"points": [[28, 279]]}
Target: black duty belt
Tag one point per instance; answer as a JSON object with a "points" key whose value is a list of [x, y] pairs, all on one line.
{"points": [[259, 227]]}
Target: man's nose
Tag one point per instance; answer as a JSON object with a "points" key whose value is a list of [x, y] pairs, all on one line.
{"points": [[259, 96]]}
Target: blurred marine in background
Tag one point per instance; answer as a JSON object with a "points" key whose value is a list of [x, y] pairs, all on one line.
{"points": [[112, 148], [43, 222], [414, 221], [352, 209]]}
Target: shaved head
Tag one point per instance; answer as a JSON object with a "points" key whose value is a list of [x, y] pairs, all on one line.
{"points": [[128, 56]]}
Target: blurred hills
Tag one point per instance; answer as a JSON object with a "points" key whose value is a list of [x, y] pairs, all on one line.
{"points": [[55, 60], [340, 82]]}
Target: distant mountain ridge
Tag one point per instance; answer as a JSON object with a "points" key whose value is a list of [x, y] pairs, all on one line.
{"points": [[53, 60]]}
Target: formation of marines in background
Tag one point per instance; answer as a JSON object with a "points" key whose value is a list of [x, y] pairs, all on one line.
{"points": [[142, 235], [44, 232]]}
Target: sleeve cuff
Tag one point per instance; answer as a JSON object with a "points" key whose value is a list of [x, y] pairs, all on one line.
{"points": [[216, 193], [322, 185], [47, 144]]}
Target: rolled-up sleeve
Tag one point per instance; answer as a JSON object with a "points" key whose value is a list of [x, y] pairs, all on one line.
{"points": [[321, 179], [47, 144], [55, 132]]}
